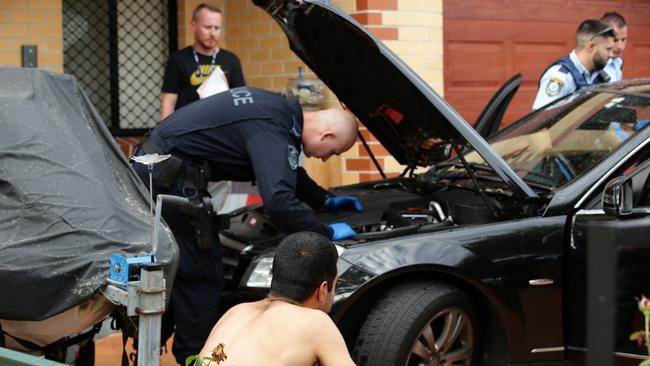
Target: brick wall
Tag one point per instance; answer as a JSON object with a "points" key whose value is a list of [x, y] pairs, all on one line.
{"points": [[32, 22], [413, 30]]}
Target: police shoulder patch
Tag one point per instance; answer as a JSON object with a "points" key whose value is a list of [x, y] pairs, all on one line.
{"points": [[293, 157], [554, 87]]}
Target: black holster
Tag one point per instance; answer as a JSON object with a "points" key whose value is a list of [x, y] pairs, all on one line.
{"points": [[203, 219], [196, 177], [203, 224]]}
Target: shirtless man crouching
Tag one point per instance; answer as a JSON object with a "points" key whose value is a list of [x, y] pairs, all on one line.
{"points": [[291, 326]]}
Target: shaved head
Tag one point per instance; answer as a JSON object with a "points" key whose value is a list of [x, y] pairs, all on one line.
{"points": [[342, 122], [328, 132]]}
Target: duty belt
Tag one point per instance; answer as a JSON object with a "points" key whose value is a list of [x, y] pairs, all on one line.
{"points": [[195, 176]]}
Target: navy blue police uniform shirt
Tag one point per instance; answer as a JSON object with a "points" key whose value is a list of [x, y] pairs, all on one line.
{"points": [[250, 134], [182, 74]]}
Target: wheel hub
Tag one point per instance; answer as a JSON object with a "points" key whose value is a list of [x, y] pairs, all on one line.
{"points": [[445, 340]]}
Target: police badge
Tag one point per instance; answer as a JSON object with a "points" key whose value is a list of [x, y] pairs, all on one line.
{"points": [[554, 87], [293, 157]]}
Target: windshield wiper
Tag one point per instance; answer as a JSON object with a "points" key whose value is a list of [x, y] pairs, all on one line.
{"points": [[458, 164], [536, 184]]}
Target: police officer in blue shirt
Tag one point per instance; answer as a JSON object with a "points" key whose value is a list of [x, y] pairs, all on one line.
{"points": [[614, 67], [583, 67], [243, 134]]}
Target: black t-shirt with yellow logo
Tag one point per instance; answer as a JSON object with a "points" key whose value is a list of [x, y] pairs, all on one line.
{"points": [[182, 75]]}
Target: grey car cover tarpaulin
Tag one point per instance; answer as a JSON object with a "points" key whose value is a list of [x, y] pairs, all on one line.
{"points": [[68, 198]]}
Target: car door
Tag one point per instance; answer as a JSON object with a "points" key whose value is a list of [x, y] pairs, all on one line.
{"points": [[616, 244], [489, 120]]}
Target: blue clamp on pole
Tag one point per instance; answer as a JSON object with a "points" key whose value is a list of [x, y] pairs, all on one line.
{"points": [[124, 269]]}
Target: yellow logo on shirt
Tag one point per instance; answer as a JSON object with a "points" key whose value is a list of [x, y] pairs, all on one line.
{"points": [[195, 78], [554, 87]]}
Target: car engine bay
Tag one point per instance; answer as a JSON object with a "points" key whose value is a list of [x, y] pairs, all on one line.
{"points": [[391, 208]]}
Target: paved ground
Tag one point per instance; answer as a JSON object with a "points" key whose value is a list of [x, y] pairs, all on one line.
{"points": [[108, 351]]}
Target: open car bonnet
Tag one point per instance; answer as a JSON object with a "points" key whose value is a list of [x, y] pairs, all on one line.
{"points": [[389, 98]]}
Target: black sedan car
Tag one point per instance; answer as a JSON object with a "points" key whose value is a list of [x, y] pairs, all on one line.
{"points": [[475, 255]]}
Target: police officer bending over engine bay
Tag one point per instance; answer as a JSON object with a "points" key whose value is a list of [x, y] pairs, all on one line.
{"points": [[583, 67], [243, 134]]}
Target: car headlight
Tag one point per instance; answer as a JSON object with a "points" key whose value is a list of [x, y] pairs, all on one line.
{"points": [[339, 249], [259, 272]]}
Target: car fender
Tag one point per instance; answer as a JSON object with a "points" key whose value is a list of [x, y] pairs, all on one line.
{"points": [[361, 285]]}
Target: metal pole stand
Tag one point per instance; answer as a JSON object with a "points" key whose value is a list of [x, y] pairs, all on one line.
{"points": [[144, 297], [151, 300]]}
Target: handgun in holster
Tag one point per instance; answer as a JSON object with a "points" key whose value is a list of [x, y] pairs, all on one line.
{"points": [[203, 223], [199, 208], [197, 177], [206, 218]]}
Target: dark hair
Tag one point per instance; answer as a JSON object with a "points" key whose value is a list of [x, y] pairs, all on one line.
{"points": [[590, 29], [301, 263], [613, 18], [202, 6]]}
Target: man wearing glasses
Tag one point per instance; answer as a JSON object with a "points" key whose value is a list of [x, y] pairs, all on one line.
{"points": [[583, 67]]}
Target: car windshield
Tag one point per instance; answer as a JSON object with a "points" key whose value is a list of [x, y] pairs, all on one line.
{"points": [[555, 144]]}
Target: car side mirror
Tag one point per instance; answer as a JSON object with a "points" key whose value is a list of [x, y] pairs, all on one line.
{"points": [[618, 197]]}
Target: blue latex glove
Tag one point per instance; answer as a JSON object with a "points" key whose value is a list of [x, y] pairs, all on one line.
{"points": [[335, 203], [342, 231]]}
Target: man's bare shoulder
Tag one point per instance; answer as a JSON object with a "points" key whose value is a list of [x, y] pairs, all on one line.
{"points": [[316, 315], [230, 324], [322, 335], [304, 322], [246, 309], [259, 305], [297, 310]]}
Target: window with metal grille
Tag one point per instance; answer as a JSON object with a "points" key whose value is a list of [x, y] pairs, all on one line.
{"points": [[117, 49]]}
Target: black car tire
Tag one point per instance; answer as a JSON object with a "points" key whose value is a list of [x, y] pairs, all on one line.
{"points": [[401, 324]]}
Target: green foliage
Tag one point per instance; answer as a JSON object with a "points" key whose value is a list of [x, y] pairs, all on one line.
{"points": [[196, 360], [643, 336]]}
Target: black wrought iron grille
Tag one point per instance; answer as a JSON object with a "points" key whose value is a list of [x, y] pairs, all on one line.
{"points": [[117, 49], [86, 50]]}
